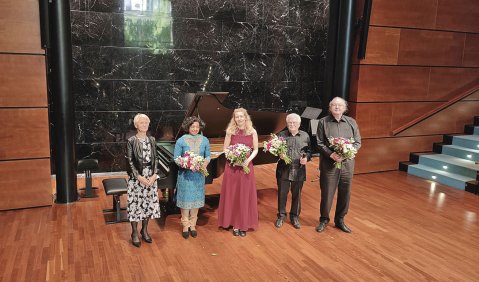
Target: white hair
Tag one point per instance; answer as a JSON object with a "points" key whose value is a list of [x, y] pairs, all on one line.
{"points": [[293, 116], [137, 118]]}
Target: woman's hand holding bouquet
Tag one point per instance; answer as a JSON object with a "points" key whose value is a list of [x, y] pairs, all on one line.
{"points": [[193, 162], [237, 155]]}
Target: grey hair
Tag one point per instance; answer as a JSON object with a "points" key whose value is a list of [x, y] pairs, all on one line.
{"points": [[340, 99], [293, 115]]}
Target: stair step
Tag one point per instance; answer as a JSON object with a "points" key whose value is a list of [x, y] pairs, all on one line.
{"points": [[472, 186], [447, 138], [461, 152], [403, 165], [443, 177], [450, 164], [469, 129], [437, 147], [414, 157], [468, 141], [476, 130]]}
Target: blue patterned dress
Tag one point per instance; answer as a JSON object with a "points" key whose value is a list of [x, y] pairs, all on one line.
{"points": [[190, 186]]}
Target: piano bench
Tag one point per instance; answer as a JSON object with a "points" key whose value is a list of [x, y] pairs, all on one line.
{"points": [[115, 187]]}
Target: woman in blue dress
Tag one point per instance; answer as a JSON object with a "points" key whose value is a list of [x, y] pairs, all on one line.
{"points": [[190, 186]]}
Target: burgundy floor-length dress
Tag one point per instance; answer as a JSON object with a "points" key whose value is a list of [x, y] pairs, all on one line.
{"points": [[238, 200]]}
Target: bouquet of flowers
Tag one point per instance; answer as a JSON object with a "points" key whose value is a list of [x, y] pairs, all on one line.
{"points": [[277, 146], [343, 147], [237, 154], [192, 162]]}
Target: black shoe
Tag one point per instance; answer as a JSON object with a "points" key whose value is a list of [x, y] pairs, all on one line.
{"points": [[146, 237], [321, 227], [279, 222], [295, 222], [185, 234], [194, 233], [343, 227], [135, 240], [236, 232], [242, 233]]}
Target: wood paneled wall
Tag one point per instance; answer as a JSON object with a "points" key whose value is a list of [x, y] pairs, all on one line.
{"points": [[24, 142], [418, 54]]}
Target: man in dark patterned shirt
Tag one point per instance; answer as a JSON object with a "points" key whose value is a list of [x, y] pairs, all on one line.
{"points": [[292, 176]]}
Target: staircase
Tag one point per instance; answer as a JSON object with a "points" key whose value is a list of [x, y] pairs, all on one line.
{"points": [[455, 162]]}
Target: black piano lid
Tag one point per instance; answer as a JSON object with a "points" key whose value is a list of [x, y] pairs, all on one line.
{"points": [[209, 107]]}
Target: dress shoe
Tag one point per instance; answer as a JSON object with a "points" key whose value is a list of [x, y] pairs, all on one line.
{"points": [[194, 233], [321, 227], [343, 227], [242, 233], [236, 232], [279, 222], [295, 223], [135, 240], [185, 234], [146, 237]]}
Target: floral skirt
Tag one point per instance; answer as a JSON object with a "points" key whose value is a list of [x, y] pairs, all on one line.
{"points": [[143, 202]]}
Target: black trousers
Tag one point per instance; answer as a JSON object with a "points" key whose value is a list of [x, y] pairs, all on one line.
{"points": [[283, 189], [331, 179]]}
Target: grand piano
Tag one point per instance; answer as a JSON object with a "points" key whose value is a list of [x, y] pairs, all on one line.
{"points": [[209, 107]]}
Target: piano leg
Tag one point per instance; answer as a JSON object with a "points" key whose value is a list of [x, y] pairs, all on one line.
{"points": [[212, 200], [167, 207]]}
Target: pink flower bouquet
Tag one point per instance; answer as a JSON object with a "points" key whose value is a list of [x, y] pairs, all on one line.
{"points": [[343, 147], [192, 162], [277, 146], [237, 155]]}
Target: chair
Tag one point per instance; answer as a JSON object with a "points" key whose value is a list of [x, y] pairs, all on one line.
{"points": [[87, 165], [115, 187]]}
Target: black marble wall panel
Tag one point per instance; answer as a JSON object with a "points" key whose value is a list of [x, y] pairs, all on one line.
{"points": [[133, 56]]}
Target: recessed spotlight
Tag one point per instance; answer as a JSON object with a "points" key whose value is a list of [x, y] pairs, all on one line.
{"points": [[469, 156], [433, 177], [444, 166]]}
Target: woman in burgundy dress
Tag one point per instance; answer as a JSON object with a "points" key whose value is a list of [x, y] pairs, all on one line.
{"points": [[238, 200]]}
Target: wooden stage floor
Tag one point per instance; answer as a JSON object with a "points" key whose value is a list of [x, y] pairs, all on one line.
{"points": [[404, 229]]}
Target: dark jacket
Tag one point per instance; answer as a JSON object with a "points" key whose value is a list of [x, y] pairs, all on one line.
{"points": [[134, 153], [297, 145]]}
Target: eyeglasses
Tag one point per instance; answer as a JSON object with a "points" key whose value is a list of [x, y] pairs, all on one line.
{"points": [[293, 122], [338, 105]]}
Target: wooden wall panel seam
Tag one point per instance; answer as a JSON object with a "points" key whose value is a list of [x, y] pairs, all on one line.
{"points": [[429, 83], [419, 66], [25, 159], [22, 107], [397, 136], [420, 28], [23, 54], [463, 50]]}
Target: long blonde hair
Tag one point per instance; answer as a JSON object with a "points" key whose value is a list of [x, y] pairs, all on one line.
{"points": [[233, 128]]}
